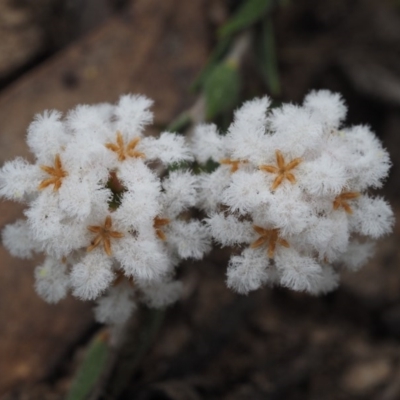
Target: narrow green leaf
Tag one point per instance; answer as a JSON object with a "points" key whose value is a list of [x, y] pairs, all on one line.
{"points": [[91, 369], [179, 124], [267, 57], [216, 56], [222, 89], [181, 165], [249, 13], [133, 351]]}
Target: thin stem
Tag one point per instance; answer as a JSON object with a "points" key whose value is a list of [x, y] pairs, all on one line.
{"points": [[133, 349]]}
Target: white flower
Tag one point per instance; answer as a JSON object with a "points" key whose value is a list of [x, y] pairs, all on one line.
{"points": [[247, 271], [51, 280], [291, 192], [115, 307], [103, 207], [17, 238]]}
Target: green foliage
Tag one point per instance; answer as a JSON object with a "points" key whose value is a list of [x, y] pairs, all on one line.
{"points": [[218, 53], [181, 165], [91, 368], [222, 89], [182, 122], [250, 12], [266, 54]]}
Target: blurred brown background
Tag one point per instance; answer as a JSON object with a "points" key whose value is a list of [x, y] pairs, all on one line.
{"points": [[272, 344]]}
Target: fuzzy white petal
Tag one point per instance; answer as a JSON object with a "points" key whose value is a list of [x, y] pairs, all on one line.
{"points": [[207, 143], [116, 306], [47, 135], [248, 271], [132, 114], [161, 294], [229, 230], [51, 280], [168, 148], [298, 272], [19, 180], [190, 239], [373, 217], [180, 192], [327, 106], [91, 277], [18, 240]]}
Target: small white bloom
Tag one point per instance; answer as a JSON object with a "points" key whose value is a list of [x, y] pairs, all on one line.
{"points": [[290, 190], [229, 230], [102, 206], [91, 276], [18, 240], [208, 143], [189, 239], [248, 271], [357, 254], [327, 106], [115, 307], [51, 280], [18, 180], [160, 294]]}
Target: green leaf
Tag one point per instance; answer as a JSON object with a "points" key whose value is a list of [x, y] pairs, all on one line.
{"points": [[91, 369], [182, 122], [267, 57], [180, 165], [249, 13], [222, 89], [208, 167], [285, 3], [135, 347], [216, 56]]}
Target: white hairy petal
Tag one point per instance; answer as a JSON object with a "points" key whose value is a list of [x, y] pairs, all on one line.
{"points": [[51, 280], [327, 106], [248, 271], [373, 217], [47, 135], [132, 115], [357, 254], [116, 306], [180, 192], [92, 275], [168, 148], [141, 258], [228, 230], [19, 180], [189, 239], [18, 240], [207, 143], [160, 294], [299, 273]]}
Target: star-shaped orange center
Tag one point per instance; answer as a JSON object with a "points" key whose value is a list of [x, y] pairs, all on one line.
{"points": [[158, 224], [342, 201], [282, 170], [57, 174], [123, 151], [104, 234], [270, 237], [235, 164]]}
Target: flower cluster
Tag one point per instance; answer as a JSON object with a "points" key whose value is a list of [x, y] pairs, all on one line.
{"points": [[103, 208], [290, 193]]}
